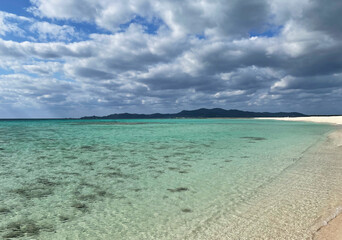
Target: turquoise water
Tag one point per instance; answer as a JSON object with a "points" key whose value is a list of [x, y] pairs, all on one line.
{"points": [[138, 179]]}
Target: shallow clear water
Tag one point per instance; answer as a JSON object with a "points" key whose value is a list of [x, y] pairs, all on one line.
{"points": [[138, 179]]}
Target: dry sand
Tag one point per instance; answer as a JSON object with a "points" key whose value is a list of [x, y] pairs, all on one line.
{"points": [[332, 120], [333, 229]]}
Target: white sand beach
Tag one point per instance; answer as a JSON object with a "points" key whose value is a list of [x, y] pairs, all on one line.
{"points": [[333, 119], [333, 229]]}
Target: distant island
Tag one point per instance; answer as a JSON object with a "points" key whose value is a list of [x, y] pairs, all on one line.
{"points": [[199, 113]]}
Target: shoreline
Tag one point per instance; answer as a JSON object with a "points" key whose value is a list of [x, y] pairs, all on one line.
{"points": [[296, 205], [331, 231], [335, 120], [331, 227]]}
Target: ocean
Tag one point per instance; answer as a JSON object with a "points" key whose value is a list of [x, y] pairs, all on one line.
{"points": [[155, 179]]}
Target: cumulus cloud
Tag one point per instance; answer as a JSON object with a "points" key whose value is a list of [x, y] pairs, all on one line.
{"points": [[9, 23], [183, 17], [147, 56], [41, 68], [48, 31], [322, 83], [20, 90]]}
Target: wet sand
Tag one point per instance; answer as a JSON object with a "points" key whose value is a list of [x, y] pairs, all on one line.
{"points": [[333, 228], [332, 231]]}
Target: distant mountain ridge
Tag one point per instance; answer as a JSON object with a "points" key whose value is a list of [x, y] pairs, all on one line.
{"points": [[199, 113]]}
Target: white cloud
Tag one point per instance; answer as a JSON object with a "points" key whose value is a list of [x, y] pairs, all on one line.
{"points": [[282, 83], [48, 31], [22, 90], [43, 68], [9, 23], [35, 30], [225, 94]]}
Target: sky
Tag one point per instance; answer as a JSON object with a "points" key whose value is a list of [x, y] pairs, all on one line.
{"points": [[96, 57]]}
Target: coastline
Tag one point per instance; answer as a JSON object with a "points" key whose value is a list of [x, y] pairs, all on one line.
{"points": [[335, 120], [331, 229]]}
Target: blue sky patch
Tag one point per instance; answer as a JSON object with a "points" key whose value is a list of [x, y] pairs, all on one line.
{"points": [[271, 31]]}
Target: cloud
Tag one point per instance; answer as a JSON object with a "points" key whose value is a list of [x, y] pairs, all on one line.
{"points": [[22, 90], [145, 56], [41, 68], [51, 50], [48, 31], [9, 23], [324, 16], [105, 13], [183, 17], [35, 30], [309, 83]]}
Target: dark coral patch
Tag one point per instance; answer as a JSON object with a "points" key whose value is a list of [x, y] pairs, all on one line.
{"points": [[4, 210], [47, 182], [86, 197], [173, 168], [22, 228], [180, 189], [34, 192], [86, 147], [186, 210], [80, 206], [255, 138], [101, 193], [64, 218]]}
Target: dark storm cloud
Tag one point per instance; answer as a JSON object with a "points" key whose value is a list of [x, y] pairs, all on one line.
{"points": [[324, 15], [316, 62]]}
